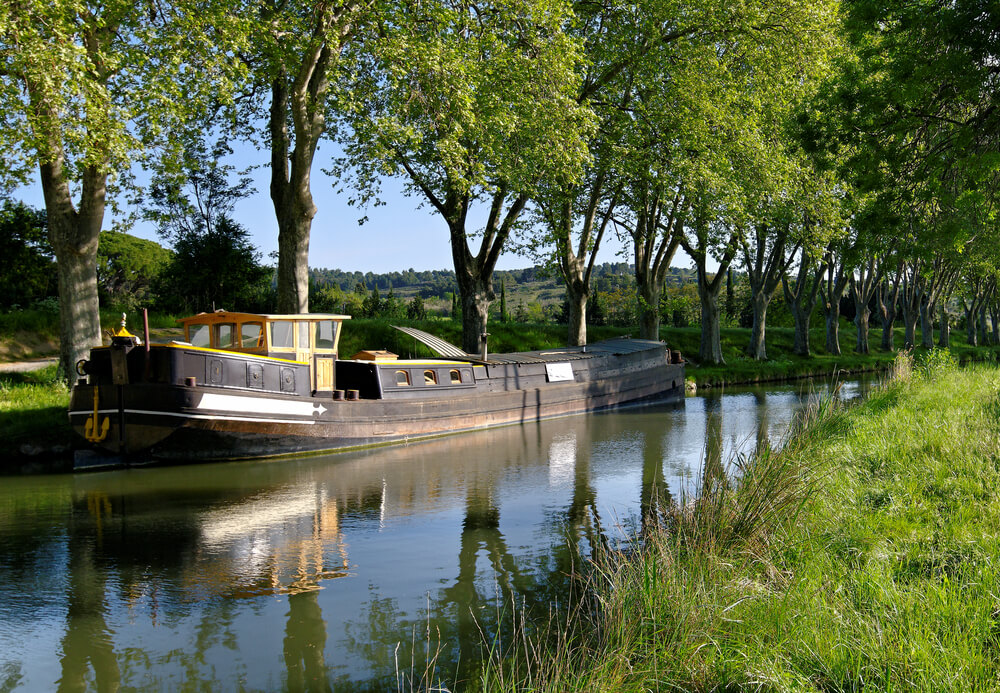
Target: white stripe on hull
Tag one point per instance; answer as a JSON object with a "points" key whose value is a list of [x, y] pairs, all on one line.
{"points": [[255, 405], [203, 417]]}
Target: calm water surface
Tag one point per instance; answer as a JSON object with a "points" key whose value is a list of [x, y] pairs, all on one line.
{"points": [[329, 573]]}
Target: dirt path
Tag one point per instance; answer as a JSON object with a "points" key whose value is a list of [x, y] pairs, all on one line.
{"points": [[29, 365]]}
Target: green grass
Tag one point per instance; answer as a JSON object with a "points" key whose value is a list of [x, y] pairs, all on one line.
{"points": [[865, 555], [33, 409]]}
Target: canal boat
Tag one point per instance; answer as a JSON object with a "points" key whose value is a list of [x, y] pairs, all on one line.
{"points": [[248, 385]]}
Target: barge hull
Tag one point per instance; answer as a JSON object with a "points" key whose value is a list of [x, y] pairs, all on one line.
{"points": [[178, 420]]}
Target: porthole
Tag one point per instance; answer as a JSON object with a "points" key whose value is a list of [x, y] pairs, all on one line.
{"points": [[430, 378], [456, 376], [402, 378]]}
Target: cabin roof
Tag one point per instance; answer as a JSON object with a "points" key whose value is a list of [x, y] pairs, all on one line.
{"points": [[228, 316]]}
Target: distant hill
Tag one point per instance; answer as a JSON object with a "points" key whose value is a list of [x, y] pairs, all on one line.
{"points": [[536, 282]]}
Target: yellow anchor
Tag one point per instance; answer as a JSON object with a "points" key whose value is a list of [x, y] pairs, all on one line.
{"points": [[90, 428]]}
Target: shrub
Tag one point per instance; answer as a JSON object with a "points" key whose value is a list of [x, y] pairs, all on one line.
{"points": [[936, 362]]}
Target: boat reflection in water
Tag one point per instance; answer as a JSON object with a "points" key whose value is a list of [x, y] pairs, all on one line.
{"points": [[359, 571]]}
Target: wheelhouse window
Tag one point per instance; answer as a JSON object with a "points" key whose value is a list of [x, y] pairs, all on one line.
{"points": [[325, 334], [402, 378], [430, 378], [282, 334], [252, 334], [224, 334], [199, 335], [303, 336], [456, 376]]}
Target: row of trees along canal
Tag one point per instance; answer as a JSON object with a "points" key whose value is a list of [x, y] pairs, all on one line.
{"points": [[821, 146]]}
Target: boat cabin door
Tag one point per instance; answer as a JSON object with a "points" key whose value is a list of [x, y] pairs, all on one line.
{"points": [[325, 335]]}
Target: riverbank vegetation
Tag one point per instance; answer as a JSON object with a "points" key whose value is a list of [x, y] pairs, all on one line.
{"points": [[864, 555], [33, 420]]}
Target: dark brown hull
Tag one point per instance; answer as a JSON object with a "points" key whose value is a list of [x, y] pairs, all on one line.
{"points": [[178, 421]]}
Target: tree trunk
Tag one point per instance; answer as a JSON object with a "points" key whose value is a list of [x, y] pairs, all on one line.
{"points": [[886, 296], [730, 295], [474, 273], [710, 349], [654, 242], [801, 299], [304, 99], [984, 337], [861, 322], [476, 301], [888, 333], [577, 295], [577, 264], [800, 345], [293, 261], [995, 322], [475, 288], [832, 290], [944, 334], [766, 264], [74, 237], [648, 292], [970, 322], [910, 328], [758, 349], [911, 312], [926, 324], [833, 328]]}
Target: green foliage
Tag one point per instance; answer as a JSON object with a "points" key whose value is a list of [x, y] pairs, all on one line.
{"points": [[936, 362], [679, 305], [415, 309], [327, 298], [26, 264], [33, 408], [216, 269], [507, 118], [128, 268], [372, 306]]}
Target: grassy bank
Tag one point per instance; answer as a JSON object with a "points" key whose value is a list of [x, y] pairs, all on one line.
{"points": [[864, 556], [33, 421]]}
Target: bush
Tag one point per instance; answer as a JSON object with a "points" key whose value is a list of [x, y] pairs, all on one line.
{"points": [[936, 362]]}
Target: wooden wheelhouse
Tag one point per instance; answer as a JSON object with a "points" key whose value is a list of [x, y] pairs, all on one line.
{"points": [[311, 338]]}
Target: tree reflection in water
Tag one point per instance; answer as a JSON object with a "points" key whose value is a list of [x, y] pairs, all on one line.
{"points": [[305, 643], [713, 472], [87, 641]]}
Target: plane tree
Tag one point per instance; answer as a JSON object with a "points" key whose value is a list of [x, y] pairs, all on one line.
{"points": [[634, 54], [806, 214], [801, 289], [736, 158], [922, 117], [87, 90], [297, 60], [473, 105]]}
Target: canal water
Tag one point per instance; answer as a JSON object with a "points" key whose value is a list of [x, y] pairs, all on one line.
{"points": [[357, 571]]}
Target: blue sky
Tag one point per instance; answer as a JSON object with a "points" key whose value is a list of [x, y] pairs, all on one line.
{"points": [[397, 236]]}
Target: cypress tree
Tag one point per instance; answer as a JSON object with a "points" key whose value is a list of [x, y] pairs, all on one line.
{"points": [[503, 302]]}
